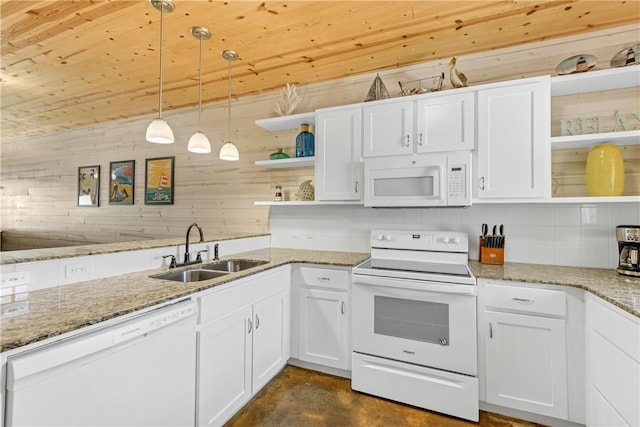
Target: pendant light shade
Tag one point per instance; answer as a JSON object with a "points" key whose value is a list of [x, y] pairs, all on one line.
{"points": [[199, 143], [159, 130], [229, 150]]}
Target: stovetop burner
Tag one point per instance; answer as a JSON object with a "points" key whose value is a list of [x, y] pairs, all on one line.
{"points": [[435, 256], [419, 267]]}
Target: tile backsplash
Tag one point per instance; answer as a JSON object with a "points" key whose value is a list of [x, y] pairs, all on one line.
{"points": [[581, 235]]}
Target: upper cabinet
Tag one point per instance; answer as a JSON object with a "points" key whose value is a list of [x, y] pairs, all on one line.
{"points": [[429, 123], [339, 154], [513, 156], [446, 123], [388, 129]]}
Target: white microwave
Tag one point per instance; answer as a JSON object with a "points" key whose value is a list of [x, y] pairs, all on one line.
{"points": [[419, 180]]}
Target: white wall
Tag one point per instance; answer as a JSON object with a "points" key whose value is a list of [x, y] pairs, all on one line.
{"points": [[581, 235]]}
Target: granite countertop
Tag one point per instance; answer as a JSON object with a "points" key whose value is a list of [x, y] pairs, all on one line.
{"points": [[621, 291], [61, 309], [32, 255]]}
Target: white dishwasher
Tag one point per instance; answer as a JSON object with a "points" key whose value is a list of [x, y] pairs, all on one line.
{"points": [[141, 372]]}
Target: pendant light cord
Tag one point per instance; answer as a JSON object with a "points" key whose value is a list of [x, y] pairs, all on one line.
{"points": [[229, 105], [160, 85], [200, 85]]}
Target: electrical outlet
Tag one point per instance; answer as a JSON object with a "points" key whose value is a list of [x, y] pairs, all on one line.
{"points": [[16, 278], [75, 270]]}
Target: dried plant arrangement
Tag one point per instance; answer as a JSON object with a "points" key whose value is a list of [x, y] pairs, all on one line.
{"points": [[289, 100]]}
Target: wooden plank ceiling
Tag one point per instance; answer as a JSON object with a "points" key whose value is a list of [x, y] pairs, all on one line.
{"points": [[68, 64]]}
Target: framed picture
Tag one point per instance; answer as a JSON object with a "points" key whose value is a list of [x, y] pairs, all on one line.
{"points": [[89, 186], [121, 182], [158, 183]]}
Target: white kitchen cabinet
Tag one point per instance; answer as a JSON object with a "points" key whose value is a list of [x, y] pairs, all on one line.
{"points": [[513, 156], [322, 335], [525, 353], [338, 142], [243, 342], [324, 326], [446, 123], [270, 338], [613, 365], [388, 129], [429, 123], [224, 368]]}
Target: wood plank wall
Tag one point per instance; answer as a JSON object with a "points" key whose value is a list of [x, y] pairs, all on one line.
{"points": [[39, 175]]}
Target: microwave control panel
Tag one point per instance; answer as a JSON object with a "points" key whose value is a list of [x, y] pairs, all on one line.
{"points": [[457, 182]]}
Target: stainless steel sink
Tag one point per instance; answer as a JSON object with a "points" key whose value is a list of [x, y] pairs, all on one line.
{"points": [[191, 275], [233, 265]]}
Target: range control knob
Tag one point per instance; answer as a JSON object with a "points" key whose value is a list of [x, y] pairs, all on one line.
{"points": [[445, 240], [456, 240], [379, 237], [388, 237]]}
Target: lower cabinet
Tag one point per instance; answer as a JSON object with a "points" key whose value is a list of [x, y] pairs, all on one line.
{"points": [[324, 327], [243, 342], [324, 313], [613, 365], [525, 352]]}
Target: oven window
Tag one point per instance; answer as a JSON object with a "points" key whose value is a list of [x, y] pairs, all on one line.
{"points": [[410, 319]]}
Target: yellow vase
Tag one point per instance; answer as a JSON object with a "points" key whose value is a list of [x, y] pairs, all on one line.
{"points": [[605, 171]]}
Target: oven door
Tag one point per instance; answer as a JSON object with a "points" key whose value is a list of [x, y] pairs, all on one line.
{"points": [[424, 323]]}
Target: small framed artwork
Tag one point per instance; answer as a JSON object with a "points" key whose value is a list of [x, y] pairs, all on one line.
{"points": [[89, 186], [158, 183], [121, 182]]}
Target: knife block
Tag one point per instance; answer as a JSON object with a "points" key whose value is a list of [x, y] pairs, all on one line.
{"points": [[491, 255]]}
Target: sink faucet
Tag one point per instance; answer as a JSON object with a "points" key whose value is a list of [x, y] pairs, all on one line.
{"points": [[186, 249]]}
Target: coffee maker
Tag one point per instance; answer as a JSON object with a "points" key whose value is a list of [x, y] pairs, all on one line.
{"points": [[628, 237]]}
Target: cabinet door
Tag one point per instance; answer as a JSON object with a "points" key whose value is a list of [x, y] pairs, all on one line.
{"points": [[526, 364], [224, 367], [388, 129], [339, 155], [514, 156], [270, 338], [324, 328], [613, 365], [446, 123]]}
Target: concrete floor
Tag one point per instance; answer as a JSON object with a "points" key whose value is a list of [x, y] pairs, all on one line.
{"points": [[298, 397]]}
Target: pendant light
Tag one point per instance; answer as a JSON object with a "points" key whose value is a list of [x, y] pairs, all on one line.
{"points": [[199, 143], [228, 150], [159, 130]]}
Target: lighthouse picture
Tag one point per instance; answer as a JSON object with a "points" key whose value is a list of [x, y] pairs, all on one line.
{"points": [[159, 181]]}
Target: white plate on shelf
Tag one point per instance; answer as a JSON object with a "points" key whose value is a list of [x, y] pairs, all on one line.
{"points": [[576, 64], [630, 55]]}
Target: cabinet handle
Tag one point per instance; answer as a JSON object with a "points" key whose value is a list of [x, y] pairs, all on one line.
{"points": [[250, 326], [356, 186], [482, 182], [324, 279], [342, 307], [524, 300], [408, 143], [257, 322], [420, 139], [490, 330]]}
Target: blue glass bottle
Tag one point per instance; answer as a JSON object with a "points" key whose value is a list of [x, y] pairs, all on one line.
{"points": [[305, 145]]}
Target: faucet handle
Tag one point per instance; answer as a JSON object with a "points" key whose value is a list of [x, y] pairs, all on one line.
{"points": [[173, 263], [198, 257]]}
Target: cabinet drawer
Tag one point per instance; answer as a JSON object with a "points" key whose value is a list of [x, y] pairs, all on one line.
{"points": [[526, 300], [324, 278]]}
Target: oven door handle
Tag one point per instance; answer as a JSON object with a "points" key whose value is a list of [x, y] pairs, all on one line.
{"points": [[417, 285]]}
